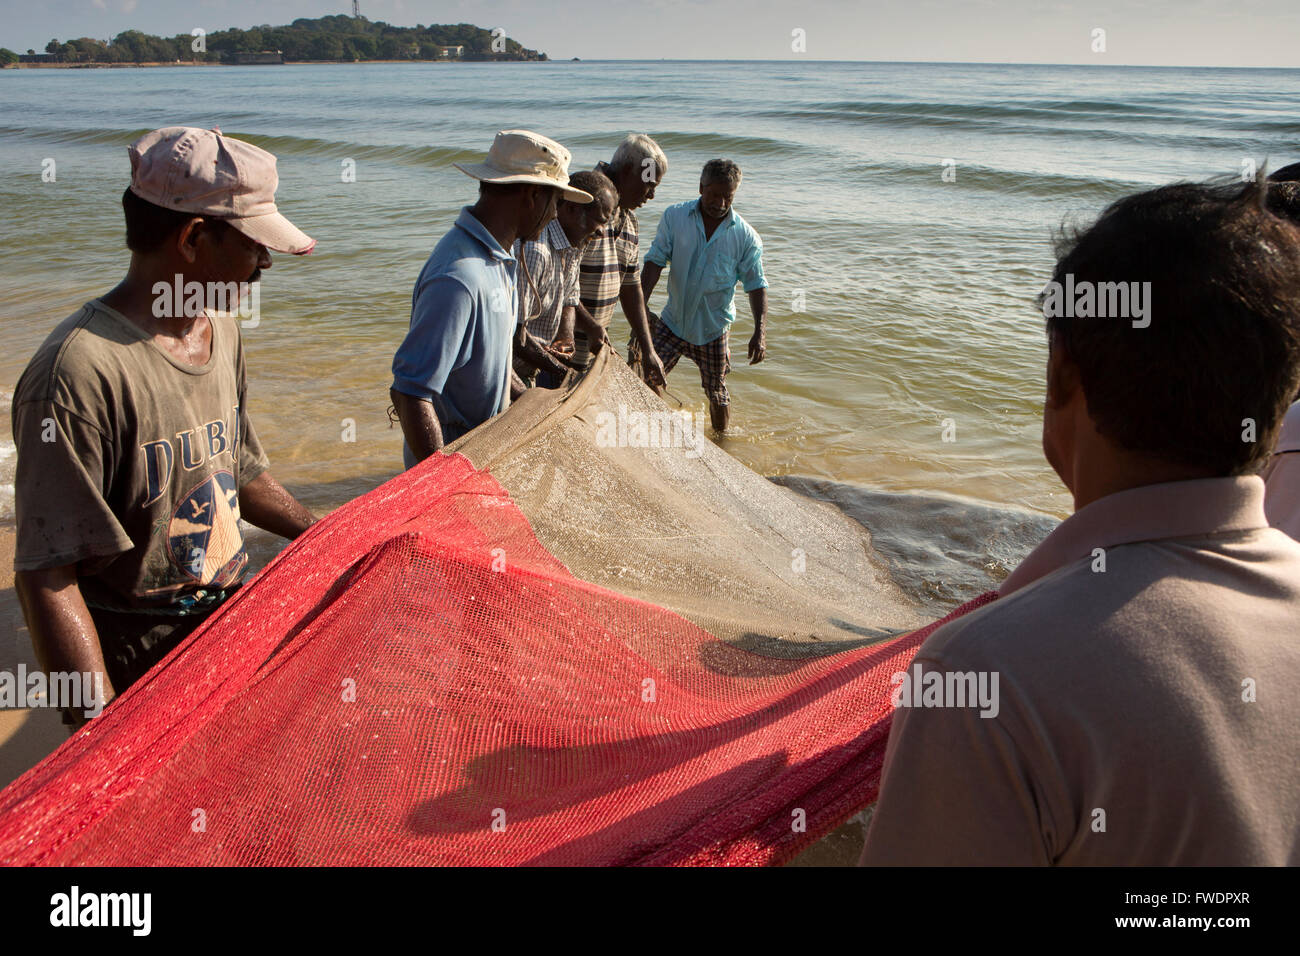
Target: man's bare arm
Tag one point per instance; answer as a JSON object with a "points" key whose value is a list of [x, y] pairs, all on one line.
{"points": [[634, 308], [597, 337], [564, 335], [420, 425], [758, 344], [650, 273], [63, 632], [266, 503], [533, 352]]}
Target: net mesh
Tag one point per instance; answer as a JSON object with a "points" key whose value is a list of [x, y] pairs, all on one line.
{"points": [[550, 648]]}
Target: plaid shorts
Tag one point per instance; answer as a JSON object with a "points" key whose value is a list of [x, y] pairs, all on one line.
{"points": [[713, 358]]}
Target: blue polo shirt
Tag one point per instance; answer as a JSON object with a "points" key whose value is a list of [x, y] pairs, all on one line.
{"points": [[702, 280], [457, 351]]}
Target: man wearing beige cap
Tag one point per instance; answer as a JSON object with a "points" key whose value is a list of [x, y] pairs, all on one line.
{"points": [[136, 454], [1143, 658], [453, 372]]}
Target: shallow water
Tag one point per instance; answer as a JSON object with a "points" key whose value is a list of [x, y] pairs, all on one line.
{"points": [[899, 301]]}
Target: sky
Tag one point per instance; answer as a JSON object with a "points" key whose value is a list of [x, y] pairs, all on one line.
{"points": [[1137, 32]]}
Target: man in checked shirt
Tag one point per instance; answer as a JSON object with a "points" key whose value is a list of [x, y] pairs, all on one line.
{"points": [[548, 282], [611, 265]]}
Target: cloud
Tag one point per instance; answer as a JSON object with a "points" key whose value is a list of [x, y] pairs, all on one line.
{"points": [[99, 4], [128, 5]]}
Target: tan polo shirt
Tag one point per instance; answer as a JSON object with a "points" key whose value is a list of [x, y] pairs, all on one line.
{"points": [[1146, 713]]}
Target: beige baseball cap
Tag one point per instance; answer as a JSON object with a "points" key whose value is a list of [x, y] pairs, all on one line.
{"points": [[521, 156], [204, 172]]}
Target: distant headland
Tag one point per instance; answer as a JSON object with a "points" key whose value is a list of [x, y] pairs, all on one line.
{"points": [[332, 39]]}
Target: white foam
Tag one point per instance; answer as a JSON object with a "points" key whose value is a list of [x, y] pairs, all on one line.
{"points": [[8, 463], [8, 460]]}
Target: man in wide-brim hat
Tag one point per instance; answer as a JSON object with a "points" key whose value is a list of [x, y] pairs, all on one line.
{"points": [[452, 372]]}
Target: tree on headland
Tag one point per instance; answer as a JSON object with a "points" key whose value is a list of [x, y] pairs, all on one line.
{"points": [[7, 56], [322, 39]]}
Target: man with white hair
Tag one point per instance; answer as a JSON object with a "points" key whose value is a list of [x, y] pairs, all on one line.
{"points": [[611, 264]]}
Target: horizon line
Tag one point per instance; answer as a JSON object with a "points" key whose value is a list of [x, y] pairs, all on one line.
{"points": [[666, 59], [791, 59]]}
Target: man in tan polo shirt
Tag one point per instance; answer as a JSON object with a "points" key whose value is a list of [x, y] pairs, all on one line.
{"points": [[1144, 659]]}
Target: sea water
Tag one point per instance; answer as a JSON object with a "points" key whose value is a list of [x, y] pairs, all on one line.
{"points": [[907, 213]]}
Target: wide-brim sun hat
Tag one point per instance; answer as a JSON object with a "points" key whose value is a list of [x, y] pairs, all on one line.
{"points": [[522, 156]]}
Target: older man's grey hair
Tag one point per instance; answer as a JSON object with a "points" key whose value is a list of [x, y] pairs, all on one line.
{"points": [[641, 153], [720, 171]]}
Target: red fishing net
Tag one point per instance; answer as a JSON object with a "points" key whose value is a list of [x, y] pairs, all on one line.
{"points": [[418, 681]]}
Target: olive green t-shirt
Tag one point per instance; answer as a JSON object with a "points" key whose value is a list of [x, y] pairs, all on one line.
{"points": [[130, 463]]}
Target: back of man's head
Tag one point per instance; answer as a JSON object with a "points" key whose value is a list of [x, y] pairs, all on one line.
{"points": [[594, 182], [1287, 174], [1284, 199], [1202, 382], [148, 227]]}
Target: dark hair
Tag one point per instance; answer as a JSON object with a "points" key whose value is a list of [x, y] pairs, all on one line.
{"points": [[148, 226], [1284, 199], [1223, 343], [591, 181], [1287, 174], [720, 171], [500, 189]]}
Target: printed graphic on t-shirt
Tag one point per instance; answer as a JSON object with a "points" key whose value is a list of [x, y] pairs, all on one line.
{"points": [[203, 538], [193, 447]]}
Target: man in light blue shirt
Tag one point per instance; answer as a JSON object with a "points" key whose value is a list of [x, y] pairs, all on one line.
{"points": [[453, 372], [711, 249]]}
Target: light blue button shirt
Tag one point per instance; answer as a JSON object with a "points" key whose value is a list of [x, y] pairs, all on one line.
{"points": [[457, 351], [704, 272]]}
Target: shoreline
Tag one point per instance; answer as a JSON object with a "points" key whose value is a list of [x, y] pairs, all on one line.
{"points": [[187, 63]]}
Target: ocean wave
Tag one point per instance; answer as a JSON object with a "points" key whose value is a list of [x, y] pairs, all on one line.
{"points": [[1045, 117], [1028, 109], [1022, 182], [403, 155], [281, 145], [720, 143]]}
